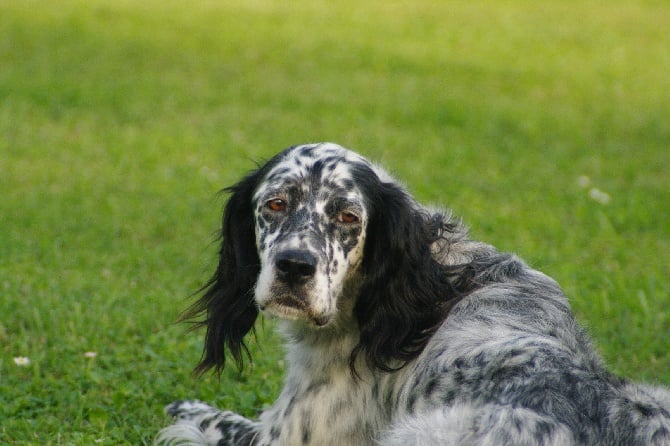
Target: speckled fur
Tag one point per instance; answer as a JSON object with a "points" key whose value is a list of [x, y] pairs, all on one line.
{"points": [[400, 330]]}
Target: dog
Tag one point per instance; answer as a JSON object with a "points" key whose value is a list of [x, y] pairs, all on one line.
{"points": [[399, 329]]}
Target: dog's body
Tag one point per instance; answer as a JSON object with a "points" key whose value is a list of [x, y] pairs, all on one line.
{"points": [[400, 330]]}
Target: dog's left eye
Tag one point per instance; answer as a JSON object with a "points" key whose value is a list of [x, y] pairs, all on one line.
{"points": [[347, 217], [276, 205]]}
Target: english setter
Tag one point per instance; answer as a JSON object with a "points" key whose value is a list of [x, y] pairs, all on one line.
{"points": [[400, 330]]}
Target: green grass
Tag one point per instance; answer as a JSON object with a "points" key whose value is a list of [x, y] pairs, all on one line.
{"points": [[120, 121]]}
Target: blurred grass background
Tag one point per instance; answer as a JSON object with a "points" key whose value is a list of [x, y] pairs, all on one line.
{"points": [[120, 121]]}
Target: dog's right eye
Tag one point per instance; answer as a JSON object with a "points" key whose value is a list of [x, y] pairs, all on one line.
{"points": [[276, 205]]}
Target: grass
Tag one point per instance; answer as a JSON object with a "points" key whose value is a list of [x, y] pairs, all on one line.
{"points": [[121, 120]]}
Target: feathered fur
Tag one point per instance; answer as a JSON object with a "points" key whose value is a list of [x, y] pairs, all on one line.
{"points": [[400, 329]]}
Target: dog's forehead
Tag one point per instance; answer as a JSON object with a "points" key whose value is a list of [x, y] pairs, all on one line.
{"points": [[326, 162]]}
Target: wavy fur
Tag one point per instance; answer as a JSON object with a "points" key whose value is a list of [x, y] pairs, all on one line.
{"points": [[400, 330]]}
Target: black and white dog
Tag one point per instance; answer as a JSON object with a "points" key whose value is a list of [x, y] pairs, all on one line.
{"points": [[400, 330]]}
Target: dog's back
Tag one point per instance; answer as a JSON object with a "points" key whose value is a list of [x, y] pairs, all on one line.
{"points": [[510, 365]]}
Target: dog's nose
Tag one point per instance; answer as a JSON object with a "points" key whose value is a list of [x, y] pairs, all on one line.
{"points": [[295, 266]]}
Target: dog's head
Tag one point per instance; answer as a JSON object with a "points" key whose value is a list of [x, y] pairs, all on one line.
{"points": [[310, 219], [316, 232]]}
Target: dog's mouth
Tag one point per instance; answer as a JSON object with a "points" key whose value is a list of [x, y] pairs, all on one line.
{"points": [[293, 307]]}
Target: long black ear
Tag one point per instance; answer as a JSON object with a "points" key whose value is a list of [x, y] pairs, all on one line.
{"points": [[227, 301], [406, 293]]}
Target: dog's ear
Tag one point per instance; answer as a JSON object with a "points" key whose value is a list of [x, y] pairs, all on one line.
{"points": [[406, 293], [227, 301]]}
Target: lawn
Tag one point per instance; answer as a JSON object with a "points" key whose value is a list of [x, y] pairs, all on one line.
{"points": [[545, 125]]}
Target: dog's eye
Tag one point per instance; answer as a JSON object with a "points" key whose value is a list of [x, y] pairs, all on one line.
{"points": [[347, 217], [276, 205]]}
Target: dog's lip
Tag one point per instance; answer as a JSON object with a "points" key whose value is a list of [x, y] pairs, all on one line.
{"points": [[321, 321], [291, 301], [290, 307]]}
